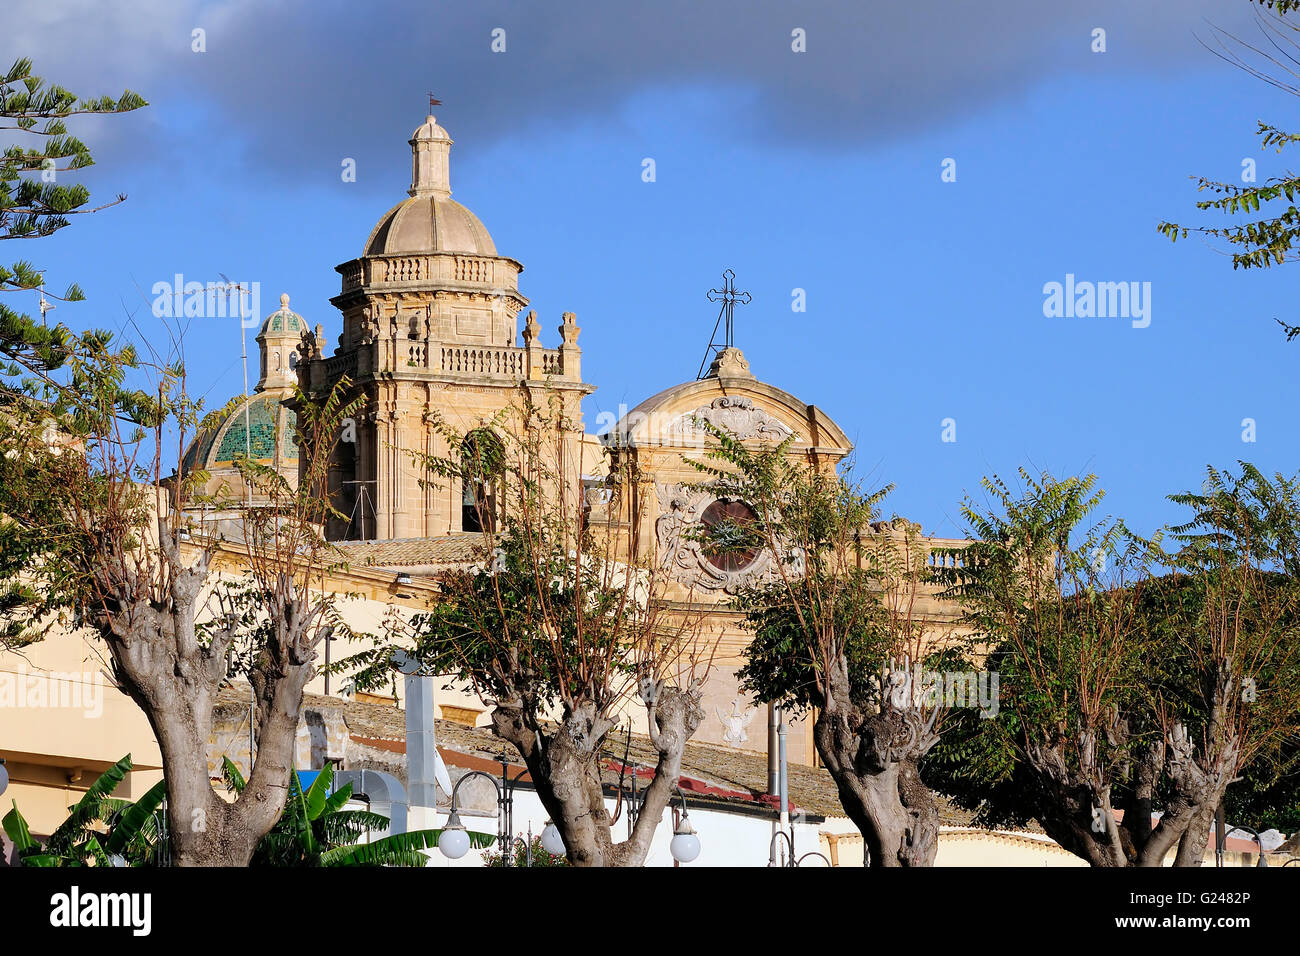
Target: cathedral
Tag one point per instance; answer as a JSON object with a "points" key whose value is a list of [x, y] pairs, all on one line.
{"points": [[431, 336]]}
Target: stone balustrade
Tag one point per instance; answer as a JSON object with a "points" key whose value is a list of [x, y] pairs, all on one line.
{"points": [[434, 269], [508, 362]]}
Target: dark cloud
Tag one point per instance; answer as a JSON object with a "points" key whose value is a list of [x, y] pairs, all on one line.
{"points": [[299, 80]]}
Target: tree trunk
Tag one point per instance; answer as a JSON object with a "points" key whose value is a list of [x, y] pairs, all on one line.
{"points": [[565, 768], [159, 661], [874, 760], [1137, 817], [1196, 838]]}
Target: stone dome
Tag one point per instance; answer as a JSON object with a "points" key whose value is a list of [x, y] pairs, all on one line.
{"points": [[429, 221], [425, 224]]}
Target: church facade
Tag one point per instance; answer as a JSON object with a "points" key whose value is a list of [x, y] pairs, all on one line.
{"points": [[438, 341]]}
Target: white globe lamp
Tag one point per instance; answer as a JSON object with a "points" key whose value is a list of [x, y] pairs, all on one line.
{"points": [[454, 840], [552, 842], [685, 846]]}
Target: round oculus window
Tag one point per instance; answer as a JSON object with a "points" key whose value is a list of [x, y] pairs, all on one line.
{"points": [[729, 545]]}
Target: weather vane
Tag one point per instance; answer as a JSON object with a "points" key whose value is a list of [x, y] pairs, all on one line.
{"points": [[433, 101], [728, 296]]}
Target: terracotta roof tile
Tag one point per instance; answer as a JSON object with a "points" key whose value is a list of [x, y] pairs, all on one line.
{"points": [[709, 771]]}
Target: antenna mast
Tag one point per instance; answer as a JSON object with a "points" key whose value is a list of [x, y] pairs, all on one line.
{"points": [[46, 305], [243, 355]]}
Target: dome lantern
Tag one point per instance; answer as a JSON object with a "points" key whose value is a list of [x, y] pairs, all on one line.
{"points": [[429, 220], [430, 161], [278, 341]]}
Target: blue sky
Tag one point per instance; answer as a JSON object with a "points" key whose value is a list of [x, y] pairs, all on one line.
{"points": [[924, 298]]}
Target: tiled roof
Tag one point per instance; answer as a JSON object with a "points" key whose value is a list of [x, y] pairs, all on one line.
{"points": [[710, 772]]}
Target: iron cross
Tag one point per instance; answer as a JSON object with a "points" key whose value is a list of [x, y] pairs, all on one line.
{"points": [[728, 296]]}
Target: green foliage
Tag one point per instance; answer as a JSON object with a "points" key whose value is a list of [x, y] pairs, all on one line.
{"points": [[63, 394], [1099, 657], [782, 663], [1270, 240], [98, 828], [520, 848], [34, 204], [1052, 594], [842, 590], [528, 602], [316, 829], [552, 610]]}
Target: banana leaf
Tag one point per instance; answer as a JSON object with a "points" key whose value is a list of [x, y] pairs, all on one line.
{"points": [[400, 849], [133, 819], [91, 808]]}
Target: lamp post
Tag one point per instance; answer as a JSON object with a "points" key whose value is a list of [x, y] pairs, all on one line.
{"points": [[793, 860], [685, 845], [454, 841], [1259, 843]]}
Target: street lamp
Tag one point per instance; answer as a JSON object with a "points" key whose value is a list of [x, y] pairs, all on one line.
{"points": [[685, 845], [454, 840], [1258, 841], [552, 842], [793, 861]]}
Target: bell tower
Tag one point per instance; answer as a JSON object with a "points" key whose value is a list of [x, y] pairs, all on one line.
{"points": [[430, 332]]}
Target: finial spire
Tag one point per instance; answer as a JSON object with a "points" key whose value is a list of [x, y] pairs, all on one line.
{"points": [[729, 298]]}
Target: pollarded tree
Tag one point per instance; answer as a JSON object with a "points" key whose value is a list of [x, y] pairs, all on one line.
{"points": [[1239, 643], [1055, 600], [1123, 691], [90, 531], [561, 630], [840, 631], [92, 538]]}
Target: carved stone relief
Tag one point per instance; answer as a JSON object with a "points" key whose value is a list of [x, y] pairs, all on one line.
{"points": [[736, 415]]}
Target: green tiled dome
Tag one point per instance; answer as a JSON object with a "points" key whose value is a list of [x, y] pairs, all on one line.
{"points": [[260, 423], [283, 322], [267, 420]]}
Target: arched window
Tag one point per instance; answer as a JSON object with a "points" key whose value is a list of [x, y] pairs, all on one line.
{"points": [[293, 361], [482, 460]]}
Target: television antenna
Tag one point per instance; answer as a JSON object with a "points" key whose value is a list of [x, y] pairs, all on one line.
{"points": [[232, 287], [360, 505], [46, 305]]}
